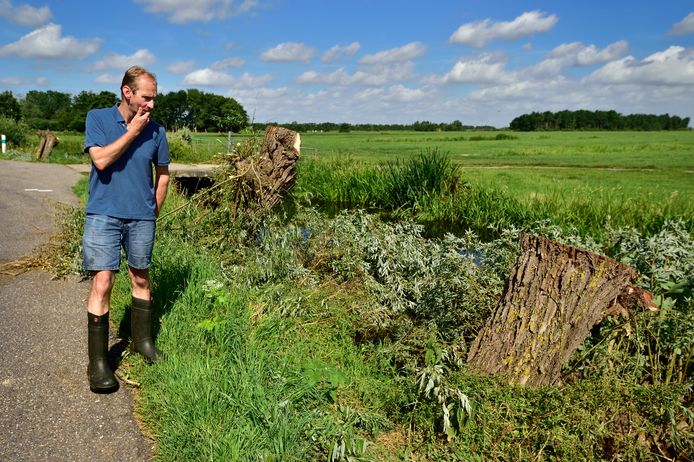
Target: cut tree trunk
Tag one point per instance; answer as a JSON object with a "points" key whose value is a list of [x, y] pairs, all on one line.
{"points": [[554, 296], [47, 141], [264, 181]]}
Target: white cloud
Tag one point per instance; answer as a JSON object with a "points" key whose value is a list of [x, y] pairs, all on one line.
{"points": [[674, 66], [110, 79], [208, 77], [142, 57], [477, 34], [13, 81], [685, 26], [214, 78], [226, 63], [395, 93], [251, 97], [288, 52], [182, 11], [181, 67], [338, 77], [373, 75], [576, 54], [336, 52], [47, 43], [404, 53], [486, 68], [25, 15]]}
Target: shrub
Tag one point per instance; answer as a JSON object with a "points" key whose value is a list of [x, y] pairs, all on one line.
{"points": [[180, 144], [17, 133]]}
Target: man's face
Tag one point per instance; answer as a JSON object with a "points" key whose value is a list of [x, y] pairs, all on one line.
{"points": [[144, 96]]}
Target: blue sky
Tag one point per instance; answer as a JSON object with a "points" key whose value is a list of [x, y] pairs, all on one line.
{"points": [[480, 62]]}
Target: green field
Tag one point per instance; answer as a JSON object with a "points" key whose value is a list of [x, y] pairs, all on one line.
{"points": [[648, 167], [654, 166], [585, 149]]}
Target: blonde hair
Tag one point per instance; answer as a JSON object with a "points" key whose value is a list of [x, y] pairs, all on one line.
{"points": [[132, 76]]}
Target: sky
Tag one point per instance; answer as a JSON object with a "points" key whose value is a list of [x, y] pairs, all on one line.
{"points": [[355, 61]]}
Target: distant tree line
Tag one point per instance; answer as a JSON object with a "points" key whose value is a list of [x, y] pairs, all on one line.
{"points": [[597, 120], [421, 126], [193, 109]]}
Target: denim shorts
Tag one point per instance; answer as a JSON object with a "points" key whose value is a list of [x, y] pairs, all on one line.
{"points": [[104, 236]]}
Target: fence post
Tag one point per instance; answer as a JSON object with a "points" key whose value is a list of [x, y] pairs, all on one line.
{"points": [[228, 142], [4, 144]]}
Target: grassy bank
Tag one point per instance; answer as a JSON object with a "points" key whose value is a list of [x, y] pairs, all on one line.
{"points": [[309, 336]]}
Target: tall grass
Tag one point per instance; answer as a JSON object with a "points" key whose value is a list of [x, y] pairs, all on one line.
{"points": [[433, 190]]}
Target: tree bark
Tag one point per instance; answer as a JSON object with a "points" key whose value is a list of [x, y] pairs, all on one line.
{"points": [[554, 296], [47, 141], [263, 182]]}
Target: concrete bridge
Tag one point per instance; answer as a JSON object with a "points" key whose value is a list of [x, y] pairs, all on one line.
{"points": [[177, 170]]}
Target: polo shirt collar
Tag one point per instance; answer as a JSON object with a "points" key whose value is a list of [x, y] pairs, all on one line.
{"points": [[118, 117]]}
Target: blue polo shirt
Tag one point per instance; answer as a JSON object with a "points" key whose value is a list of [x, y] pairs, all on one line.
{"points": [[125, 189]]}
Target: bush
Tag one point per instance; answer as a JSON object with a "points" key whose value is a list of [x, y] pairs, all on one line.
{"points": [[17, 133], [180, 144]]}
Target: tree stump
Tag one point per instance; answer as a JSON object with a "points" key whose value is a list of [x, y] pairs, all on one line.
{"points": [[554, 296], [47, 141], [263, 182]]}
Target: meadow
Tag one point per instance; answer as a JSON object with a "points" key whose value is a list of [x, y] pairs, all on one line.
{"points": [[608, 169], [336, 328]]}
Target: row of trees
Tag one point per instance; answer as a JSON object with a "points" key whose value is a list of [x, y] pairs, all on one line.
{"points": [[597, 120], [208, 112], [193, 109], [420, 126]]}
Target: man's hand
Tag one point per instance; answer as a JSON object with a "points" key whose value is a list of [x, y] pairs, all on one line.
{"points": [[139, 121], [102, 157]]}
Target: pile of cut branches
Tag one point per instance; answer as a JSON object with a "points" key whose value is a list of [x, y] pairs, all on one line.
{"points": [[261, 181]]}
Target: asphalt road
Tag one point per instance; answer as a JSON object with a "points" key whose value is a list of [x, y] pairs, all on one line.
{"points": [[47, 412]]}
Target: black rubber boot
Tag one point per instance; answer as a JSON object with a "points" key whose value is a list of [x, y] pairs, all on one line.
{"points": [[141, 313], [101, 378]]}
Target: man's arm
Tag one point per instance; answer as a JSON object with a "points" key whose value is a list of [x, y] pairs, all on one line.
{"points": [[104, 156], [161, 186]]}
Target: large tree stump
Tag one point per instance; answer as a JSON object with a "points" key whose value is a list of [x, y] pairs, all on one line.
{"points": [[554, 296], [263, 182], [47, 141]]}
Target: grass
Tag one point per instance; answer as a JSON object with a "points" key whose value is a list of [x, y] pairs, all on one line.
{"points": [[280, 348], [306, 338], [587, 149], [488, 200]]}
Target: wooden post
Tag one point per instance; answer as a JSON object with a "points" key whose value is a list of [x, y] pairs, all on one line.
{"points": [[554, 296]]}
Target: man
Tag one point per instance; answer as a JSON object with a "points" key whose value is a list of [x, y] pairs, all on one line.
{"points": [[124, 202]]}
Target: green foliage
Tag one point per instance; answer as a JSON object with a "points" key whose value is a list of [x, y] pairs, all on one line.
{"points": [[597, 120], [47, 110], [302, 336], [416, 180], [652, 346], [200, 111], [9, 106], [409, 184], [86, 101], [17, 133], [179, 148], [436, 192]]}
